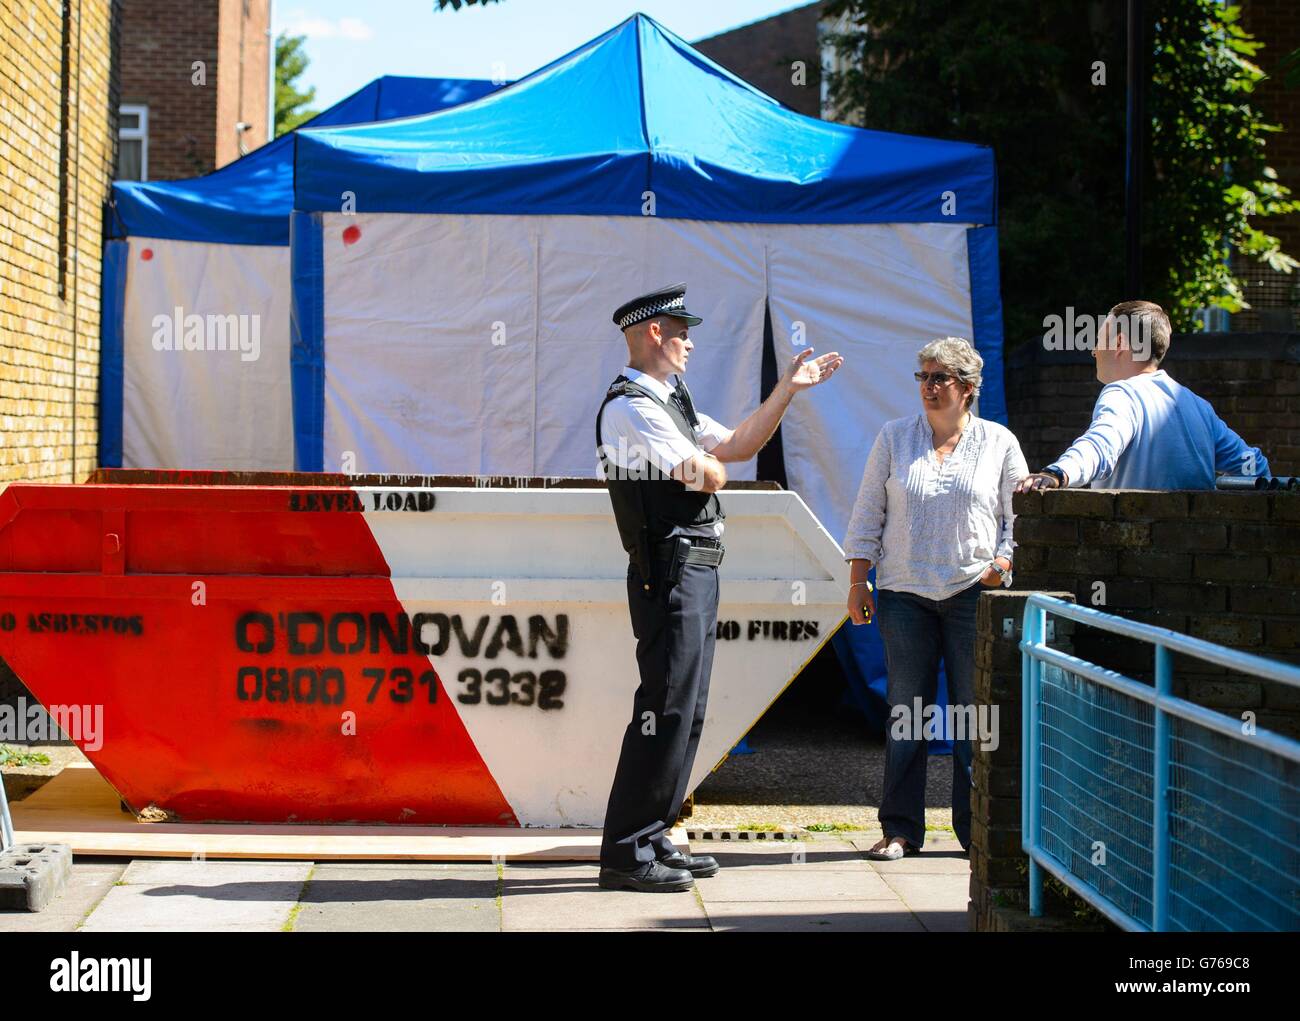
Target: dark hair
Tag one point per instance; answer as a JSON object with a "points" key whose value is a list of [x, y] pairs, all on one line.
{"points": [[1150, 319]]}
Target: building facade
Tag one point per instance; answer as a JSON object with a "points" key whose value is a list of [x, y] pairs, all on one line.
{"points": [[195, 85]]}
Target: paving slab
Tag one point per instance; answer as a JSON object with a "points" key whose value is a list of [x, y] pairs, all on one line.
{"points": [[946, 920], [542, 897], [200, 896], [91, 879], [820, 884], [698, 928], [938, 901], [827, 854], [399, 897], [942, 857], [812, 916], [766, 876], [794, 883]]}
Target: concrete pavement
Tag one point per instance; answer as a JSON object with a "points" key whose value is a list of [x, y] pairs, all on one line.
{"points": [[822, 883]]}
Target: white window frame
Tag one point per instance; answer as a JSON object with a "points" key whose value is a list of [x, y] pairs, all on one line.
{"points": [[140, 134]]}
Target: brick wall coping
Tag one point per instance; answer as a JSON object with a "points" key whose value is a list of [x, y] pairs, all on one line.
{"points": [[1145, 502]]}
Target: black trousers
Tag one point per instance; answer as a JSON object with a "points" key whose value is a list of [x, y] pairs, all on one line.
{"points": [[675, 627]]}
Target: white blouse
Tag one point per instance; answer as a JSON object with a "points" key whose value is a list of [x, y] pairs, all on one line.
{"points": [[932, 529]]}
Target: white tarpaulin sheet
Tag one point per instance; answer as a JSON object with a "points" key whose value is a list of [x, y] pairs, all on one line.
{"points": [[205, 337], [476, 344], [877, 294], [484, 345]]}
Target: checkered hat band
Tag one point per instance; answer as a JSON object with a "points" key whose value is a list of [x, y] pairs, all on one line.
{"points": [[653, 309]]}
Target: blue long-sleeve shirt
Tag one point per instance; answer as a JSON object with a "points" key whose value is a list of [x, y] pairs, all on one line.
{"points": [[1150, 432]]}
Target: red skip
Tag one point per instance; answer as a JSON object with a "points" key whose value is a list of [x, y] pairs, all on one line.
{"points": [[252, 658]]}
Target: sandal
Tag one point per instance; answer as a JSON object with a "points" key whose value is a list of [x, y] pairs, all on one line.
{"points": [[895, 848]]}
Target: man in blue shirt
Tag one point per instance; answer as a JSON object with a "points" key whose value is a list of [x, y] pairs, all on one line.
{"points": [[1147, 431]]}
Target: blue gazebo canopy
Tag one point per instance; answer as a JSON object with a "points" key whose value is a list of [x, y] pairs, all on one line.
{"points": [[639, 110], [248, 202]]}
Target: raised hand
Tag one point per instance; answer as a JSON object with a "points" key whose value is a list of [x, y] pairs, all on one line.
{"points": [[800, 374]]}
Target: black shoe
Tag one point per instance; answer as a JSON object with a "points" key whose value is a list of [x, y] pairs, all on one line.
{"points": [[650, 877], [701, 866]]}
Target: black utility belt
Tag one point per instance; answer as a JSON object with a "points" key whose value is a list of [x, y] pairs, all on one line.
{"points": [[690, 549]]}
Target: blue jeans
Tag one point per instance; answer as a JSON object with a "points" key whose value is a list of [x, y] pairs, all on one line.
{"points": [[916, 632]]}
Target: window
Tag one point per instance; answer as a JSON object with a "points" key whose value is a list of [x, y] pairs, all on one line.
{"points": [[133, 143]]}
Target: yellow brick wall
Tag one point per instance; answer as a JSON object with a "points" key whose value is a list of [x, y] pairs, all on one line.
{"points": [[49, 343]]}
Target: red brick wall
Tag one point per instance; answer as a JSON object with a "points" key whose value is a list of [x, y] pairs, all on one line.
{"points": [[192, 127], [161, 39], [762, 53]]}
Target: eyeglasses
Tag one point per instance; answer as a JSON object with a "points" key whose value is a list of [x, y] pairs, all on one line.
{"points": [[937, 378]]}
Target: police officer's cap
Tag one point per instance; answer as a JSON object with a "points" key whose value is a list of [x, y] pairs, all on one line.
{"points": [[668, 301]]}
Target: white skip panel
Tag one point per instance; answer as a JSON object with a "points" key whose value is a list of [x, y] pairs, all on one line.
{"points": [[484, 344], [877, 293], [591, 265], [206, 356], [536, 650]]}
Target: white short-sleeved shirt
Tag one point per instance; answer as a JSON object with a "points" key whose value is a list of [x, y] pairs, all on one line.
{"points": [[633, 429]]}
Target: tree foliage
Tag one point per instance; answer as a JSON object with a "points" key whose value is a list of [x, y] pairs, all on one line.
{"points": [[1042, 82], [291, 105], [1211, 176]]}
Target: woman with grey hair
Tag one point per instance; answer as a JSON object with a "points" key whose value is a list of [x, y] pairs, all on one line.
{"points": [[933, 515]]}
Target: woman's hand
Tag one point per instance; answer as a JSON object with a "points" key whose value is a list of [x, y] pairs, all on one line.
{"points": [[990, 578], [862, 603], [862, 599]]}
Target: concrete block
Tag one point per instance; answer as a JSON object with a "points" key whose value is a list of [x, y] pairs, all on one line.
{"points": [[32, 875]]}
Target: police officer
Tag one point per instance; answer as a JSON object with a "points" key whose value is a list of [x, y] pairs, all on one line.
{"points": [[664, 465]]}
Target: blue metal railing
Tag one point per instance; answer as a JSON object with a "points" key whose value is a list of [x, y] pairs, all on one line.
{"points": [[1158, 812]]}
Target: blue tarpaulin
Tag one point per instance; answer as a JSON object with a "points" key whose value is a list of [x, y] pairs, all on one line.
{"points": [[248, 202], [637, 112]]}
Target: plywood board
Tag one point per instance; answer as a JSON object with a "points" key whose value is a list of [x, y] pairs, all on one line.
{"points": [[79, 808]]}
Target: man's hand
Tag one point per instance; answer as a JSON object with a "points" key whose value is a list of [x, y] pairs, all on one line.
{"points": [[748, 438], [1038, 480], [800, 374], [990, 578]]}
